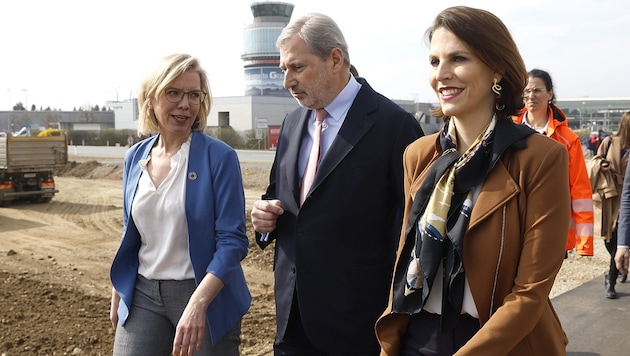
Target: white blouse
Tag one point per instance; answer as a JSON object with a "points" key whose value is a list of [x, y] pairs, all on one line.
{"points": [[160, 216], [434, 302]]}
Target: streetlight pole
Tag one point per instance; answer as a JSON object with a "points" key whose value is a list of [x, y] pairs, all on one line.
{"points": [[25, 99], [9, 113], [582, 114]]}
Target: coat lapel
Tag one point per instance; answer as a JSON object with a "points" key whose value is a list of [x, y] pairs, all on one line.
{"points": [[498, 188], [142, 152], [356, 124], [297, 129]]}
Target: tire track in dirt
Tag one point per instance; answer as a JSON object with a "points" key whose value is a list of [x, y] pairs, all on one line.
{"points": [[98, 210], [74, 236]]}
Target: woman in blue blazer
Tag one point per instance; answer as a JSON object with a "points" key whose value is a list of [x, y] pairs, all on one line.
{"points": [[177, 280]]}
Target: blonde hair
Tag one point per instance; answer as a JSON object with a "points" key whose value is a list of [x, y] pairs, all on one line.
{"points": [[168, 69]]}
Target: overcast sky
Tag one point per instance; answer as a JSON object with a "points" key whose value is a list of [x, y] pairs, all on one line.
{"points": [[66, 54]]}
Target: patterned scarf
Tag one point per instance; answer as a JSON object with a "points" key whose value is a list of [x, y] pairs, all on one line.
{"points": [[439, 230]]}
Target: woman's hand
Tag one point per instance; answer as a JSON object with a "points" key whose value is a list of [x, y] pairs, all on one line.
{"points": [[190, 330], [113, 309], [191, 326]]}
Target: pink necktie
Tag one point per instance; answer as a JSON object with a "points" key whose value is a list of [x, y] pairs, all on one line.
{"points": [[313, 158]]}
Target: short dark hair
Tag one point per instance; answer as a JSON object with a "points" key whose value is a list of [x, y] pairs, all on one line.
{"points": [[546, 78]]}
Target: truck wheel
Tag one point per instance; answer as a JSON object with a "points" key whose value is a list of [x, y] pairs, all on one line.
{"points": [[39, 200]]}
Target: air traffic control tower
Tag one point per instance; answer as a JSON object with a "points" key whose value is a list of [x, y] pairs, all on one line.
{"points": [[260, 55]]}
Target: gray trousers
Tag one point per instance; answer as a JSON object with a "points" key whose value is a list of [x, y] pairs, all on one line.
{"points": [[153, 317]]}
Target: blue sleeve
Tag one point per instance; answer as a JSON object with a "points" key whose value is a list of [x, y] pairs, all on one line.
{"points": [[229, 207], [623, 229]]}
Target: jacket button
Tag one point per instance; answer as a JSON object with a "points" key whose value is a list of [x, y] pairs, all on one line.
{"points": [[293, 269]]}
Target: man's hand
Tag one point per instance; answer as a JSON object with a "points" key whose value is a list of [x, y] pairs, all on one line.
{"points": [[621, 259], [265, 214]]}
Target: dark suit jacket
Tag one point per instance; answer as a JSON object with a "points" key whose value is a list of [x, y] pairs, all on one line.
{"points": [[337, 251]]}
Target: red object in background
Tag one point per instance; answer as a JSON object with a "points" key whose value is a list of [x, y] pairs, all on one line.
{"points": [[274, 134]]}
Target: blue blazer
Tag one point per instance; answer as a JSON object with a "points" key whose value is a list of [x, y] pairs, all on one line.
{"points": [[623, 224], [215, 214], [337, 251]]}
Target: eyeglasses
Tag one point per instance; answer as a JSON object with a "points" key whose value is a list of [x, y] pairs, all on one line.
{"points": [[534, 91], [195, 97]]}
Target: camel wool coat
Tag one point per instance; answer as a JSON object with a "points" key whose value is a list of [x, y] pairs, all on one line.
{"points": [[513, 248], [607, 185]]}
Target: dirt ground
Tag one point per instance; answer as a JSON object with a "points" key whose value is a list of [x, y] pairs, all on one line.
{"points": [[55, 257], [54, 265]]}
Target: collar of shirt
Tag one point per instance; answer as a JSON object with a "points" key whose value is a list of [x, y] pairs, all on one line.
{"points": [[338, 108], [542, 130], [337, 111]]}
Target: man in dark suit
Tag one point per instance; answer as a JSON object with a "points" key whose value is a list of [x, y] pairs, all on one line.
{"points": [[334, 252]]}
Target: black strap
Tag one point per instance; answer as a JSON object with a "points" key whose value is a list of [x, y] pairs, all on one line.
{"points": [[610, 142]]}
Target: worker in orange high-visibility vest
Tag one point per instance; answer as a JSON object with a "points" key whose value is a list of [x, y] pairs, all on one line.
{"points": [[542, 115]]}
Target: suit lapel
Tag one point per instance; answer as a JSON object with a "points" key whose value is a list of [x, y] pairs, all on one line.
{"points": [[355, 126], [297, 130]]}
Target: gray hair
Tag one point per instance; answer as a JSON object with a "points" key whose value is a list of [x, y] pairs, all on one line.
{"points": [[320, 33]]}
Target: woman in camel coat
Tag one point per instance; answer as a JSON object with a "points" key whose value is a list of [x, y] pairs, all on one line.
{"points": [[487, 207]]}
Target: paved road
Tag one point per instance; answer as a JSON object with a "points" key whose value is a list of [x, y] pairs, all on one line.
{"points": [[112, 153], [596, 326], [115, 154]]}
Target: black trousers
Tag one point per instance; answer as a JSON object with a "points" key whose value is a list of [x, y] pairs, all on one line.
{"points": [[611, 247], [424, 338], [296, 343]]}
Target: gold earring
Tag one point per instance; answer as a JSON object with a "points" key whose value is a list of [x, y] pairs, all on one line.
{"points": [[496, 88]]}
